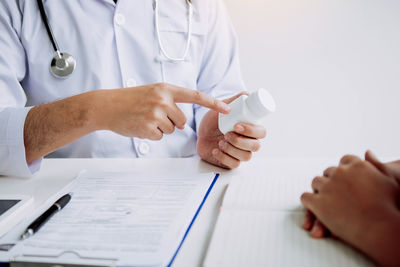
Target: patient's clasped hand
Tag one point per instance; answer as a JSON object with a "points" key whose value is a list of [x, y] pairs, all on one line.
{"points": [[358, 202]]}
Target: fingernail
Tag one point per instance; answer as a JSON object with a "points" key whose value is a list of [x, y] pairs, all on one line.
{"points": [[372, 154], [317, 231], [314, 230], [221, 144], [239, 128], [215, 151], [306, 223], [224, 106]]}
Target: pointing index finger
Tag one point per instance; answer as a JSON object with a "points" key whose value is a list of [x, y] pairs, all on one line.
{"points": [[183, 95]]}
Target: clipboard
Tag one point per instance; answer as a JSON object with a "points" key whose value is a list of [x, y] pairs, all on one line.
{"points": [[74, 259]]}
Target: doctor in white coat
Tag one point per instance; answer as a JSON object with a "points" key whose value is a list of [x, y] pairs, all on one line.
{"points": [[145, 82]]}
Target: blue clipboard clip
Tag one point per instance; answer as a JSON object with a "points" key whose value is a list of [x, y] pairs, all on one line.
{"points": [[194, 218]]}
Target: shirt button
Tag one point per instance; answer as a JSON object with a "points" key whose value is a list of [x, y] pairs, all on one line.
{"points": [[119, 19], [144, 148], [131, 82]]}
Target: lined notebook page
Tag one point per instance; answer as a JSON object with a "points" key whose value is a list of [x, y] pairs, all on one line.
{"points": [[260, 225], [275, 238], [263, 192]]}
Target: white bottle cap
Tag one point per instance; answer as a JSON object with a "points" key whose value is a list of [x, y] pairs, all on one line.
{"points": [[261, 102]]}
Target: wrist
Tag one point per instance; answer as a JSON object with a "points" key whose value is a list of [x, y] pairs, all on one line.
{"points": [[382, 242], [94, 102]]}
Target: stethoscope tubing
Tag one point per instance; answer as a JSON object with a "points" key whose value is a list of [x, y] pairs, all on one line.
{"points": [[63, 64], [188, 37], [47, 25]]}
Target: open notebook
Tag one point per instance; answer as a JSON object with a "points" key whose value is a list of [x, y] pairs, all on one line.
{"points": [[260, 225]]}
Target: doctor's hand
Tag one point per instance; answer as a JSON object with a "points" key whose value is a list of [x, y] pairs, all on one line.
{"points": [[145, 112], [149, 111], [359, 204], [227, 150]]}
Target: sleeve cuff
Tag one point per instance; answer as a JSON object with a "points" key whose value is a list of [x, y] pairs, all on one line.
{"points": [[12, 147]]}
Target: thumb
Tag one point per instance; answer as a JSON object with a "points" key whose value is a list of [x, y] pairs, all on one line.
{"points": [[371, 158], [233, 98]]}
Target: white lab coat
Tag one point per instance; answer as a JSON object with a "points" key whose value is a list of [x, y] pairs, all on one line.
{"points": [[115, 46]]}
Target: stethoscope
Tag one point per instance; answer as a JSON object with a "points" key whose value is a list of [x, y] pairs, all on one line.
{"points": [[63, 64]]}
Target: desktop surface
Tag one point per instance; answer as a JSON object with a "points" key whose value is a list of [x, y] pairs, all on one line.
{"points": [[57, 173]]}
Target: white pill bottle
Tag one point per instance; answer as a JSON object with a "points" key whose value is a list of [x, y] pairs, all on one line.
{"points": [[248, 109]]}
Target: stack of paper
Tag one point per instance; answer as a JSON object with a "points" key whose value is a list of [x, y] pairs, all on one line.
{"points": [[122, 219], [260, 225]]}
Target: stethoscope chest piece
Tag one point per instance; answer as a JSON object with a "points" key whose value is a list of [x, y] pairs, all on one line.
{"points": [[62, 65]]}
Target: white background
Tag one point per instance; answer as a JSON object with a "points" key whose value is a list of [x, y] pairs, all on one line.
{"points": [[333, 68]]}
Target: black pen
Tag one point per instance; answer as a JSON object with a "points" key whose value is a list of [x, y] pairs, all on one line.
{"points": [[42, 219]]}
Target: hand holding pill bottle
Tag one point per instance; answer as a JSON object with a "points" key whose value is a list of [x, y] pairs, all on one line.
{"points": [[248, 109]]}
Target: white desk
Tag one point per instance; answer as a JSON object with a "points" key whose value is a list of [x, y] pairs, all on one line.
{"points": [[56, 173]]}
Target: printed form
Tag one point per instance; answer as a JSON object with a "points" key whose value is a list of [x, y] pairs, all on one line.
{"points": [[130, 218]]}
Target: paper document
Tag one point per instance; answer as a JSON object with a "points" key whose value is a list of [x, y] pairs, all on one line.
{"points": [[260, 225], [128, 218]]}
